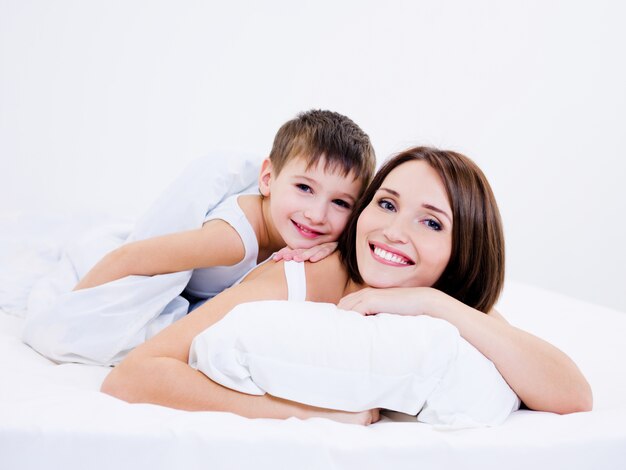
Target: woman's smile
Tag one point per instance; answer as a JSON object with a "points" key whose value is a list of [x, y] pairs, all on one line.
{"points": [[406, 225], [387, 255]]}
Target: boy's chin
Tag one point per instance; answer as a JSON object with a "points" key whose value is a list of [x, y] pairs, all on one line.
{"points": [[299, 245], [302, 243]]}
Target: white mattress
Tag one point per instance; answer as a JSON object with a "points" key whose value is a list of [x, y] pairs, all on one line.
{"points": [[53, 416]]}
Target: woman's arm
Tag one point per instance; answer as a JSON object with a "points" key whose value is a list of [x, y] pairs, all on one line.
{"points": [[544, 377], [171, 382], [158, 372], [169, 253]]}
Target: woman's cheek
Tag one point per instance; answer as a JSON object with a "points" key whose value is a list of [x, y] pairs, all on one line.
{"points": [[441, 257]]}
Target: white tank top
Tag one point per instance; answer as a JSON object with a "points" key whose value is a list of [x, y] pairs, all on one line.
{"points": [[295, 276], [208, 282], [296, 280]]}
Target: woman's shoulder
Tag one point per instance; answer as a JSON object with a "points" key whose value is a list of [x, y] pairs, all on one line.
{"points": [[326, 279], [265, 282]]}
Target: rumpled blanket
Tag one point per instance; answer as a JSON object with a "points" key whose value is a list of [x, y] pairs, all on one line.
{"points": [[102, 324]]}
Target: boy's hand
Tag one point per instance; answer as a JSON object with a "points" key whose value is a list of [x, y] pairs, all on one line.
{"points": [[312, 254]]}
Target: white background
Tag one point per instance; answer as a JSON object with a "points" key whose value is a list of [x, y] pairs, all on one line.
{"points": [[102, 103]]}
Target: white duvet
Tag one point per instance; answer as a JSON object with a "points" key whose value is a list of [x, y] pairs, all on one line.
{"points": [[102, 324]]}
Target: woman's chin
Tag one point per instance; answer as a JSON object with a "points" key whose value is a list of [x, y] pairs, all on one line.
{"points": [[378, 282]]}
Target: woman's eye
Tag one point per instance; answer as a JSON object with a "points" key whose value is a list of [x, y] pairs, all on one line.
{"points": [[433, 224], [386, 205], [304, 187], [342, 203]]}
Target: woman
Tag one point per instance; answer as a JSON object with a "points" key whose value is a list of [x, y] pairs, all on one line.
{"points": [[425, 238]]}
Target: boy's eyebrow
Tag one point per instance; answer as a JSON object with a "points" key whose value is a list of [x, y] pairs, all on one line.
{"points": [[425, 205]]}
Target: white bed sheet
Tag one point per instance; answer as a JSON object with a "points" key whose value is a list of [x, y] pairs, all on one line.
{"points": [[53, 416]]}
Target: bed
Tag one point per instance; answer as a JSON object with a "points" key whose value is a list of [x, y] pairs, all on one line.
{"points": [[53, 416]]}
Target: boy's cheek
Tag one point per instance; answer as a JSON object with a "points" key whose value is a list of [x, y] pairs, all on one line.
{"points": [[340, 226]]}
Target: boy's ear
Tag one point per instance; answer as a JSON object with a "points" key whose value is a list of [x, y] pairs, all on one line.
{"points": [[265, 177]]}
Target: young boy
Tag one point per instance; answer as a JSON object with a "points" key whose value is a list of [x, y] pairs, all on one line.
{"points": [[319, 164]]}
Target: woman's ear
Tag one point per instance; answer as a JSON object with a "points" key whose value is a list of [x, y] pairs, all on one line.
{"points": [[265, 177]]}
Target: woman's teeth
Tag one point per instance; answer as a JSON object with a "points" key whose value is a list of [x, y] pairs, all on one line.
{"points": [[389, 256]]}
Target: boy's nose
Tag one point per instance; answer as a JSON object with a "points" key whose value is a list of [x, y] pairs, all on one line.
{"points": [[316, 213]]}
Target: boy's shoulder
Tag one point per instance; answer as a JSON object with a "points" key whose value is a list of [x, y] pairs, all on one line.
{"points": [[252, 207]]}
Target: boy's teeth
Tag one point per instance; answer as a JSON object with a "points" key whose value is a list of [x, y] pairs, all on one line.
{"points": [[389, 256]]}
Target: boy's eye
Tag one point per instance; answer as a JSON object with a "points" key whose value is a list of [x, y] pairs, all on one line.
{"points": [[387, 205], [342, 203], [433, 224], [304, 187]]}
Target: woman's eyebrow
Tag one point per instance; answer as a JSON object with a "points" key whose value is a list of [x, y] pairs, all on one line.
{"points": [[390, 191], [436, 209], [425, 205]]}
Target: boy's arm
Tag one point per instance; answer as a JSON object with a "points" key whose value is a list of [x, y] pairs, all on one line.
{"points": [[215, 244]]}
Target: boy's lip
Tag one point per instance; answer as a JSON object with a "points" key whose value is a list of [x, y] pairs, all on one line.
{"points": [[404, 260], [305, 231]]}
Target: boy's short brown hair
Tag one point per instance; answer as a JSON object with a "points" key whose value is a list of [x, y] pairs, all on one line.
{"points": [[317, 134]]}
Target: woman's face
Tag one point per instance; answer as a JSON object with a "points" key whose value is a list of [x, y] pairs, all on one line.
{"points": [[404, 236]]}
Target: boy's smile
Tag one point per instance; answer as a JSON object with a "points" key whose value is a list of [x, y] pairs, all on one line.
{"points": [[306, 232]]}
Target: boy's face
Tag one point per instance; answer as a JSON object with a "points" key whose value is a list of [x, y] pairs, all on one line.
{"points": [[307, 206]]}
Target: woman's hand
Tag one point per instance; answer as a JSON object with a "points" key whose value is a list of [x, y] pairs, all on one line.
{"points": [[364, 418], [313, 254], [398, 300]]}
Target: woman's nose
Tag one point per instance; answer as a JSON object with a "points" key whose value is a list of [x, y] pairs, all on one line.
{"points": [[396, 232]]}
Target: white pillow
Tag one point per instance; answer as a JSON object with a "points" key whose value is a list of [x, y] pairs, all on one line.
{"points": [[317, 354]]}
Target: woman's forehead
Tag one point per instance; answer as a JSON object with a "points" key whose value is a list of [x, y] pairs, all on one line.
{"points": [[416, 179]]}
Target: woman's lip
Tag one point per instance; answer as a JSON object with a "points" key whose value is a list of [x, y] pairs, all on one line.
{"points": [[382, 246], [306, 231]]}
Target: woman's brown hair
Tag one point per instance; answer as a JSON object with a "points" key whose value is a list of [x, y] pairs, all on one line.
{"points": [[475, 273]]}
